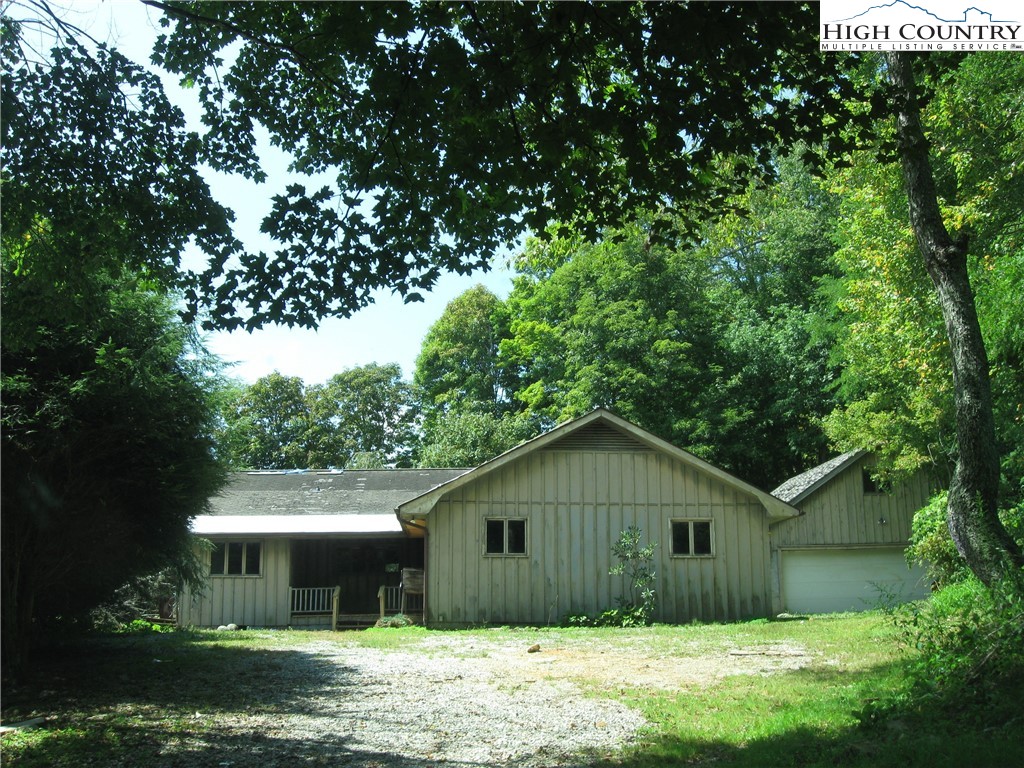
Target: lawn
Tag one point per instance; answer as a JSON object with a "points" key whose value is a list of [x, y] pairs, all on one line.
{"points": [[780, 693]]}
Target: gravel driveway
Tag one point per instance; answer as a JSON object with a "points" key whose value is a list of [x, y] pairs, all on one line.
{"points": [[398, 709], [467, 703]]}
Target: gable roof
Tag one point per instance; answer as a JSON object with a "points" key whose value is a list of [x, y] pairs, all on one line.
{"points": [[583, 430], [354, 501], [798, 488]]}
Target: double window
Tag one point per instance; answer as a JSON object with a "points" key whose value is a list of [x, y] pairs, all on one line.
{"points": [[692, 538], [236, 558], [505, 536]]}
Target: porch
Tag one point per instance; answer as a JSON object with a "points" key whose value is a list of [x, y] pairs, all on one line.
{"points": [[320, 607]]}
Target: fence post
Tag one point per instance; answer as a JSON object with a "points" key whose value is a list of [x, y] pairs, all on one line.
{"points": [[335, 605]]}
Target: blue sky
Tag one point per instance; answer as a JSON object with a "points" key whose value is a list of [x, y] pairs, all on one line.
{"points": [[387, 331]]}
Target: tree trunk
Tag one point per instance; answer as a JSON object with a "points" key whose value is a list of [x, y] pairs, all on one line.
{"points": [[974, 524]]}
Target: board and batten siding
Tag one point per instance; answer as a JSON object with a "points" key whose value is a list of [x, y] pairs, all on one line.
{"points": [[576, 503], [258, 601], [841, 513]]}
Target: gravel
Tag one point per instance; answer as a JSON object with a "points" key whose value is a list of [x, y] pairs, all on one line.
{"points": [[397, 709]]}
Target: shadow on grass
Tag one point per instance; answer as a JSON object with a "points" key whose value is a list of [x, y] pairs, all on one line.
{"points": [[174, 671]]}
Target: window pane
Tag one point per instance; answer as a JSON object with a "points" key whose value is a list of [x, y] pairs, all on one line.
{"points": [[516, 537], [680, 538], [235, 557], [217, 559], [495, 537], [702, 538], [252, 559]]}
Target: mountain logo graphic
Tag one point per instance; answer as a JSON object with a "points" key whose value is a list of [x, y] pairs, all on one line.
{"points": [[969, 15]]}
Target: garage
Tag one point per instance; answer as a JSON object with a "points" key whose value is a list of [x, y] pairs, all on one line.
{"points": [[835, 580]]}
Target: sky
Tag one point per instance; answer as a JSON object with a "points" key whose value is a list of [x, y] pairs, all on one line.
{"points": [[387, 331]]}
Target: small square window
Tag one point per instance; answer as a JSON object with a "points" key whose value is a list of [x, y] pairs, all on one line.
{"points": [[505, 536], [692, 538], [871, 484]]}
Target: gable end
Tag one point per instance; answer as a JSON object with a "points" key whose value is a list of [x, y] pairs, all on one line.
{"points": [[598, 436]]}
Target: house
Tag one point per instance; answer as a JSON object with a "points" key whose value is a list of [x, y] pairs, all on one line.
{"points": [[522, 539], [846, 550]]}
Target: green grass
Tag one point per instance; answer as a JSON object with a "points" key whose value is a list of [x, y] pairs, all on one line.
{"points": [[126, 700]]}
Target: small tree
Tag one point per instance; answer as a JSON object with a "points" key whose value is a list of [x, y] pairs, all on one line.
{"points": [[636, 563]]}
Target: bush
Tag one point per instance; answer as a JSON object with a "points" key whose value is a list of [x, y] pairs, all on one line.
{"points": [[933, 547], [971, 640]]}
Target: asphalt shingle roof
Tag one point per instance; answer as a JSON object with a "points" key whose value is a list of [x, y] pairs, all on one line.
{"points": [[797, 487], [352, 492]]}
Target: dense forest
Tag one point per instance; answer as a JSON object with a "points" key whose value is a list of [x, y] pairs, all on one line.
{"points": [[761, 253]]}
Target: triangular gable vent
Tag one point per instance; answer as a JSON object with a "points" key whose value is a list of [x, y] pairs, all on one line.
{"points": [[597, 437]]}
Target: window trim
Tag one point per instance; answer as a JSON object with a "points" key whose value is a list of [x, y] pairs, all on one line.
{"points": [[689, 521], [505, 521], [246, 543]]}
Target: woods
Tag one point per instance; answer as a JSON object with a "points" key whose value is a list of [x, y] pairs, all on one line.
{"points": [[759, 252]]}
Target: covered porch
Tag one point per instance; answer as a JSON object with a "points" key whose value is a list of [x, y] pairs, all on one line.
{"points": [[341, 582]]}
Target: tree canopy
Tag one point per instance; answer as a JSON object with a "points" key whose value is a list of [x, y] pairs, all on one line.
{"points": [[449, 129]]}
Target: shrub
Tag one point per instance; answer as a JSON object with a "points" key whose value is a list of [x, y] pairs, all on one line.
{"points": [[971, 640], [636, 563]]}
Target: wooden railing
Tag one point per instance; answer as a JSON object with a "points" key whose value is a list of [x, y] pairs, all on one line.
{"points": [[399, 600], [390, 600], [312, 599]]}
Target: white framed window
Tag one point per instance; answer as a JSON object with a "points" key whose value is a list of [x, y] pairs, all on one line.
{"points": [[692, 538], [505, 536], [236, 558]]}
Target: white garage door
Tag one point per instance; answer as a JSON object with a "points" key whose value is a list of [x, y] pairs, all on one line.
{"points": [[828, 581]]}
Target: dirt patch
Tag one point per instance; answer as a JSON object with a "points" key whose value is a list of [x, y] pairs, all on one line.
{"points": [[607, 665]]}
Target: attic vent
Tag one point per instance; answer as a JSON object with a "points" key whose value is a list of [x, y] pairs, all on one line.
{"points": [[597, 437]]}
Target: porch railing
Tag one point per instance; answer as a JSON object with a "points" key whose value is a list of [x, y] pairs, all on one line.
{"points": [[399, 600], [312, 599], [390, 600]]}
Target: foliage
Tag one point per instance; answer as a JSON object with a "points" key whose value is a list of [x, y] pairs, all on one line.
{"points": [[398, 621], [931, 545], [143, 626], [717, 349], [971, 663], [636, 563], [447, 130], [362, 416], [625, 324], [369, 410], [97, 163], [107, 425], [892, 343], [266, 425], [147, 597], [468, 438], [458, 368]]}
